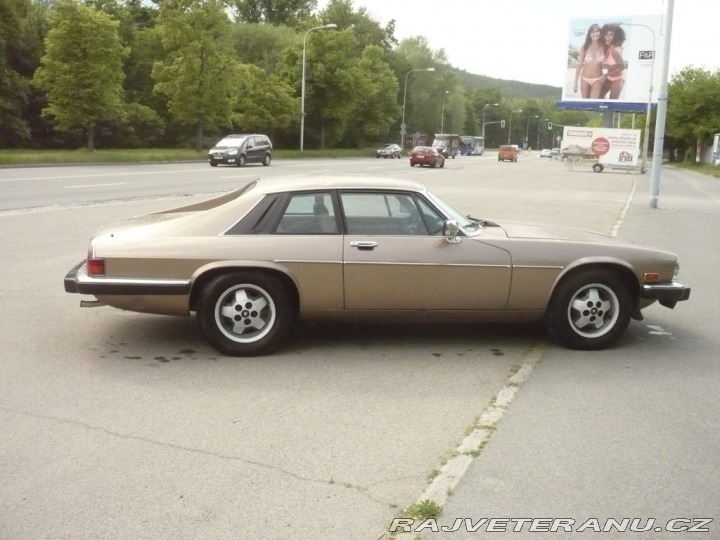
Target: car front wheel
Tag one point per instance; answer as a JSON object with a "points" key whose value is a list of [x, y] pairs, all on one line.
{"points": [[244, 313], [241, 160], [589, 310], [266, 160]]}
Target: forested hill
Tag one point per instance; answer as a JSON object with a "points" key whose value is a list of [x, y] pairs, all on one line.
{"points": [[510, 88]]}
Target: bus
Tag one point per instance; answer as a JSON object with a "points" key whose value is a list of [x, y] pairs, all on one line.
{"points": [[470, 145]]}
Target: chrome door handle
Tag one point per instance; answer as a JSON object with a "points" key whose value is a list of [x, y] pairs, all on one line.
{"points": [[366, 245]]}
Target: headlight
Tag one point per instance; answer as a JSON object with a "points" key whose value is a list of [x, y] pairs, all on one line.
{"points": [[232, 152]]}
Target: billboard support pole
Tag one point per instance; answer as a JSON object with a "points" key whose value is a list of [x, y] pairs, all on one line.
{"points": [[661, 112]]}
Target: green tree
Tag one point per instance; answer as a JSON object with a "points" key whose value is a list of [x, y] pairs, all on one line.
{"points": [[81, 71], [275, 12], [262, 44], [693, 112], [375, 107], [15, 72], [262, 103], [197, 75]]}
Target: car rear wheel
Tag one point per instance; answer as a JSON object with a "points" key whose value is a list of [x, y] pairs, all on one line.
{"points": [[589, 310], [244, 313]]}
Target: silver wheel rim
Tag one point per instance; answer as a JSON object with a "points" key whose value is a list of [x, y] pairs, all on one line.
{"points": [[245, 313], [593, 310]]}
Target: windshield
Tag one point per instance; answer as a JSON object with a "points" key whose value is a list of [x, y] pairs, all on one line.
{"points": [[469, 227], [230, 142]]}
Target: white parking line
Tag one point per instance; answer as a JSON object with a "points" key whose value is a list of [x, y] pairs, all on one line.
{"points": [[94, 185]]}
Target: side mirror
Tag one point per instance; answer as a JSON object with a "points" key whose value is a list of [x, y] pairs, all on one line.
{"points": [[451, 228]]}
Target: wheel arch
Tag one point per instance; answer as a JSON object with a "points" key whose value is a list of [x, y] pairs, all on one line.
{"points": [[201, 279], [619, 268]]}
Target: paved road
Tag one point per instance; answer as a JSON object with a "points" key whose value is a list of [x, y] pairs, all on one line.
{"points": [[119, 425], [628, 434]]}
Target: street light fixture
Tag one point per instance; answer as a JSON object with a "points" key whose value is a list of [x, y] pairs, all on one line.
{"points": [[302, 87], [527, 130], [484, 108], [403, 126], [442, 115], [510, 124]]}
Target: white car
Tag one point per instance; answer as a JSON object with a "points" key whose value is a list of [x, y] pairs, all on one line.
{"points": [[546, 152]]}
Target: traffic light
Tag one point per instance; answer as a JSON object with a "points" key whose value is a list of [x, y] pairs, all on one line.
{"points": [[549, 125]]}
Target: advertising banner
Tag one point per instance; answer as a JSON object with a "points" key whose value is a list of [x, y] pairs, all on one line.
{"points": [[611, 146], [612, 61]]}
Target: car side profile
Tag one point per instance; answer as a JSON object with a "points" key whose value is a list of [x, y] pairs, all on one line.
{"points": [[507, 153], [389, 150], [251, 262], [241, 149]]}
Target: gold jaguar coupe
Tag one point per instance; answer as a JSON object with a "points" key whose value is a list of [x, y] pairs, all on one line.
{"points": [[251, 262]]}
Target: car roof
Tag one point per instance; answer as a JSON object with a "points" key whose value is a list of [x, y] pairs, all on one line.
{"points": [[283, 184]]}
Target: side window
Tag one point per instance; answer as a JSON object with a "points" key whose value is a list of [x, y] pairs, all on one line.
{"points": [[388, 214], [308, 213], [433, 221]]}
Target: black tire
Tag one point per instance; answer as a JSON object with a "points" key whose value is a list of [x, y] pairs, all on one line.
{"points": [[442, 164], [241, 160], [245, 313], [598, 168], [589, 310], [213, 164], [266, 160]]}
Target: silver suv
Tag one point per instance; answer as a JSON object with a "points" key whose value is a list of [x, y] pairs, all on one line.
{"points": [[240, 149]]}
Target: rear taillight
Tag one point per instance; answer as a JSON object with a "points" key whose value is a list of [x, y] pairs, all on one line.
{"points": [[95, 265]]}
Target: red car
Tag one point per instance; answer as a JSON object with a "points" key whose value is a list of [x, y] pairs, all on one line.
{"points": [[426, 155]]}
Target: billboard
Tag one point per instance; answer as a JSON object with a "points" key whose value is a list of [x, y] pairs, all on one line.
{"points": [[611, 146], [612, 63]]}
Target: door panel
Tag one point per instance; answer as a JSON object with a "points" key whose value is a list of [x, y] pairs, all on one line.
{"points": [[424, 272]]}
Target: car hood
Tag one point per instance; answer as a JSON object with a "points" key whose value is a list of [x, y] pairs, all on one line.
{"points": [[519, 229]]}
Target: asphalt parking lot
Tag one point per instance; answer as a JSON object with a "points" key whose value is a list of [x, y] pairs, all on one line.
{"points": [[120, 425]]}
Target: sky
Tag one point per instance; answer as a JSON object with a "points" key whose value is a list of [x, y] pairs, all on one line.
{"points": [[526, 40]]}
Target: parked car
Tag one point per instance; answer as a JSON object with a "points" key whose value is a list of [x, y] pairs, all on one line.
{"points": [[240, 149], [545, 152], [391, 151], [507, 152], [555, 151], [250, 262], [426, 155]]}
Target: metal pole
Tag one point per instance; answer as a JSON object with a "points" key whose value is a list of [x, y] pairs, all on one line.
{"points": [[442, 116], [661, 112], [302, 85], [484, 109]]}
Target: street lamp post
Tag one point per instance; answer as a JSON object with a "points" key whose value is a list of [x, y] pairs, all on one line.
{"points": [[302, 86], [442, 115], [510, 124], [484, 109], [403, 126], [527, 131]]}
